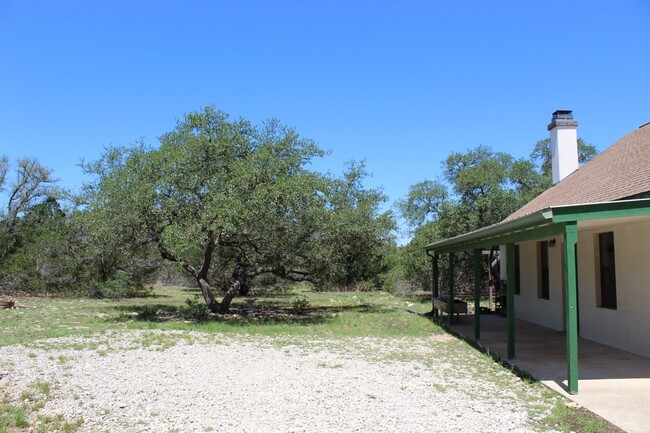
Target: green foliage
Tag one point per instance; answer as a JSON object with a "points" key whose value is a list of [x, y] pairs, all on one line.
{"points": [[358, 238], [484, 189], [34, 259], [194, 309], [53, 252], [481, 187], [424, 201], [30, 217], [46, 248], [541, 154], [122, 286], [414, 265]]}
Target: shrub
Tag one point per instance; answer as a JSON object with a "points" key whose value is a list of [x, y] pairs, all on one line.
{"points": [[195, 309], [122, 286], [300, 305]]}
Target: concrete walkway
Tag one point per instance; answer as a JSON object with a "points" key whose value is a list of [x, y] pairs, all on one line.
{"points": [[612, 383]]}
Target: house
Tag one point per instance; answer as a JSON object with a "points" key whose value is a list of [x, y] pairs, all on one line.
{"points": [[578, 255]]}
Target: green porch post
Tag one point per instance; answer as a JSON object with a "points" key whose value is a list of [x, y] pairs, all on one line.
{"points": [[477, 294], [450, 301], [570, 279], [510, 297], [435, 275]]}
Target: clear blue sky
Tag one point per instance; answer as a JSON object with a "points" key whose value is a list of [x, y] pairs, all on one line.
{"points": [[397, 84]]}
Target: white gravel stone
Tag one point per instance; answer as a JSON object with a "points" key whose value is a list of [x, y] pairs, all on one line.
{"points": [[258, 385]]}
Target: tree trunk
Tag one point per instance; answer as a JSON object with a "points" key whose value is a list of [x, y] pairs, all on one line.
{"points": [[206, 290], [201, 276], [230, 295], [212, 303]]}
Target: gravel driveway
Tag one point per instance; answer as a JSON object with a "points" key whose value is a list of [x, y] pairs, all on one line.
{"points": [[157, 381]]}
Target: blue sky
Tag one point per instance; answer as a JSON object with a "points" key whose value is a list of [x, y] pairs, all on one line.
{"points": [[397, 84]]}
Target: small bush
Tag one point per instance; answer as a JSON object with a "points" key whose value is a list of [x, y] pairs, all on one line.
{"points": [[406, 289], [122, 286], [300, 305], [367, 286], [195, 309], [148, 313]]}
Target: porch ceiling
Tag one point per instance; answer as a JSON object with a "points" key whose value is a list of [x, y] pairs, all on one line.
{"points": [[611, 222]]}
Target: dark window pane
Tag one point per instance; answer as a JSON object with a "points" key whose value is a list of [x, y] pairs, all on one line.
{"points": [[544, 281], [607, 270], [517, 271]]}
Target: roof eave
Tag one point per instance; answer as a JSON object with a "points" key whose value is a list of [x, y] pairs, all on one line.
{"points": [[522, 223], [546, 222]]}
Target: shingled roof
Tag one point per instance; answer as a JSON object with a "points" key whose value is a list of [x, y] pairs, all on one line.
{"points": [[621, 171]]}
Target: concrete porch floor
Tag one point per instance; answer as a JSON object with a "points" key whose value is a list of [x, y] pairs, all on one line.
{"points": [[612, 383]]}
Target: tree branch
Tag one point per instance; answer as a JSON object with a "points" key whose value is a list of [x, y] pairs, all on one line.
{"points": [[168, 255], [207, 255]]}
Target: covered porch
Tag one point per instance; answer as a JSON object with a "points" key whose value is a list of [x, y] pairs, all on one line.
{"points": [[552, 222], [613, 384]]}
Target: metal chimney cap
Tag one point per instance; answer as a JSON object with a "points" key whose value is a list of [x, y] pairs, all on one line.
{"points": [[562, 118], [563, 114]]}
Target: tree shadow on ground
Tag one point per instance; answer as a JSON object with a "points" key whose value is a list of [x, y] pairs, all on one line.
{"points": [[266, 312], [256, 292], [194, 290], [145, 313]]}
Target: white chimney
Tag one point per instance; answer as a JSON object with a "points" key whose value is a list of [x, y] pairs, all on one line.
{"points": [[564, 144]]}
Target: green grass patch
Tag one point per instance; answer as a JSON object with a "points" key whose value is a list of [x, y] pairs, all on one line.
{"points": [[294, 311], [577, 419], [20, 416], [57, 423], [12, 416]]}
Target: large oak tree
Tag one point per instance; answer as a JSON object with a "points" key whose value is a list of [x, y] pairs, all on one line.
{"points": [[229, 201]]}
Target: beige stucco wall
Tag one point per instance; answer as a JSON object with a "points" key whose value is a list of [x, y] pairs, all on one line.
{"points": [[627, 327], [545, 312]]}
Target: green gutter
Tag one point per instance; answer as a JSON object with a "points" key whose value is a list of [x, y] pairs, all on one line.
{"points": [[485, 236], [608, 209]]}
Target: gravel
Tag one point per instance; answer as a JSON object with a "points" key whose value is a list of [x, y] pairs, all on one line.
{"points": [[167, 381]]}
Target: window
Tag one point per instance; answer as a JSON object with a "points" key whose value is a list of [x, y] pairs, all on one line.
{"points": [[542, 268], [607, 270], [517, 272]]}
